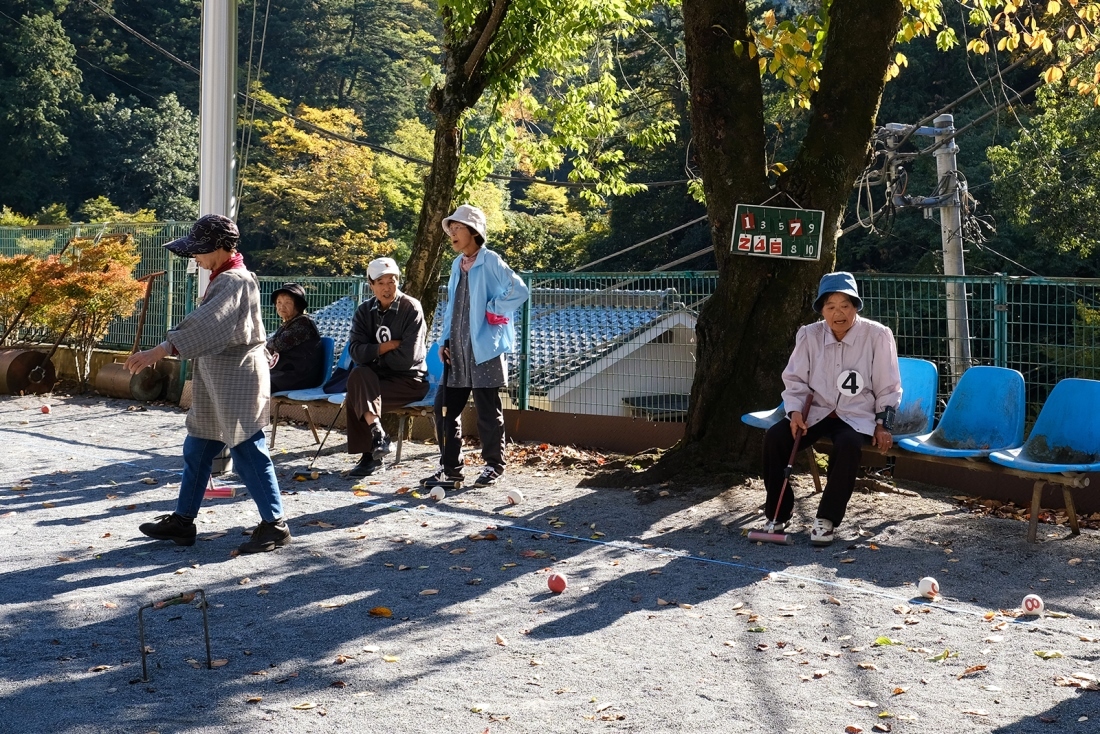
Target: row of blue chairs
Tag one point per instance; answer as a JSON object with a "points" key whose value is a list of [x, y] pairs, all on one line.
{"points": [[317, 395], [985, 419]]}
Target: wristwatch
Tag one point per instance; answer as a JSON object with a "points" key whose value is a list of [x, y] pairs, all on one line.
{"points": [[886, 418]]}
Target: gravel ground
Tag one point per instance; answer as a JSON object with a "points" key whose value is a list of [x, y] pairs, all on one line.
{"points": [[672, 622]]}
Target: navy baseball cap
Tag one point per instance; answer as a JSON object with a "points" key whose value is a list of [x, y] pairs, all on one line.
{"points": [[210, 233], [838, 282]]}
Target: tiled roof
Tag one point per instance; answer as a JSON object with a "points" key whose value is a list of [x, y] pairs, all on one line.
{"points": [[570, 328]]}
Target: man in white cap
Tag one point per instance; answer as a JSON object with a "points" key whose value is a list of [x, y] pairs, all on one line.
{"points": [[482, 296], [387, 345]]}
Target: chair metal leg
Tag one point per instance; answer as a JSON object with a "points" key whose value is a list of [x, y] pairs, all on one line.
{"points": [[1033, 523], [400, 437], [1071, 510], [309, 418], [274, 424]]}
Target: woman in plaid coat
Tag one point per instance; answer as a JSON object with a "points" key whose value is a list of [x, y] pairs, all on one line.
{"points": [[231, 388]]}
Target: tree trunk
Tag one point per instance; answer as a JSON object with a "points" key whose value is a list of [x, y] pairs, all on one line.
{"points": [[422, 270], [746, 329], [466, 80]]}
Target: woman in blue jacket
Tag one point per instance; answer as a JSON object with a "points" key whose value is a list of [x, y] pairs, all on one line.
{"points": [[482, 295]]}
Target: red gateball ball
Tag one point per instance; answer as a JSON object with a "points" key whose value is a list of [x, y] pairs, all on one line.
{"points": [[557, 583], [45, 409]]}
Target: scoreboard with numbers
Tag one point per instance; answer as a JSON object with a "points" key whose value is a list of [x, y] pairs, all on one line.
{"points": [[774, 231]]}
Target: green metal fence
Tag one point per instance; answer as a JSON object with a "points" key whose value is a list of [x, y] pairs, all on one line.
{"points": [[168, 299], [624, 343]]}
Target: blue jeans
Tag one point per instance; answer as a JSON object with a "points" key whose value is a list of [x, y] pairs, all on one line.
{"points": [[252, 464]]}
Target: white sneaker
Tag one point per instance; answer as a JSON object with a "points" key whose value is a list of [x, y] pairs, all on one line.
{"points": [[822, 532], [774, 527]]}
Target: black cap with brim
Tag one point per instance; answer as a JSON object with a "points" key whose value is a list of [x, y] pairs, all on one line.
{"points": [[209, 233], [296, 292]]}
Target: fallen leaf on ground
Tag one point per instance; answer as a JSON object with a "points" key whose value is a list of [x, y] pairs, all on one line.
{"points": [[976, 712], [319, 524], [338, 684], [970, 671], [863, 704], [429, 592], [390, 658], [457, 551], [501, 641], [381, 612], [1049, 654], [255, 699], [304, 706], [332, 604], [899, 690]]}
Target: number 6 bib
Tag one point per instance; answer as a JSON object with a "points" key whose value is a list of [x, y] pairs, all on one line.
{"points": [[850, 383]]}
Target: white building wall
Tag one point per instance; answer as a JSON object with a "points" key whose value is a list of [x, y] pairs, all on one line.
{"points": [[652, 369]]}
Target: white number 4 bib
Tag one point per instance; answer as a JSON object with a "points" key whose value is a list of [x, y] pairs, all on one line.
{"points": [[850, 383]]}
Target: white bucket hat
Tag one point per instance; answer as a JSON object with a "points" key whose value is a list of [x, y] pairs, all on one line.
{"points": [[382, 266], [470, 216]]}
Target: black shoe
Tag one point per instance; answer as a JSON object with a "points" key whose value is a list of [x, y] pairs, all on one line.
{"points": [[443, 478], [267, 537], [366, 466], [488, 476], [172, 527], [381, 444]]}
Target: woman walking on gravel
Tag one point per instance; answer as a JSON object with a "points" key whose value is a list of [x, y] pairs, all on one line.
{"points": [[231, 388]]}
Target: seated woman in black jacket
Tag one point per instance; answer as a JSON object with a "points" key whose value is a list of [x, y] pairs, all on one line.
{"points": [[295, 347]]}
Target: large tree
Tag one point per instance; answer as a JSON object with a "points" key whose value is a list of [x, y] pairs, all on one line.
{"points": [[492, 49], [835, 60]]}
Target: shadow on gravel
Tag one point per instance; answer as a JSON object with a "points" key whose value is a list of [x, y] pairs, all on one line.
{"points": [[284, 617]]}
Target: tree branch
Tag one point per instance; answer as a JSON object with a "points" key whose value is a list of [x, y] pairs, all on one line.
{"points": [[492, 25]]}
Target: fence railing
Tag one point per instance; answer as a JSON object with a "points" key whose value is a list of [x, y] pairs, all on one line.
{"points": [[624, 343]]}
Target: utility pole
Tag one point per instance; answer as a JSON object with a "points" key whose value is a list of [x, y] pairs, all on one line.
{"points": [[217, 130], [948, 199], [958, 327], [217, 114]]}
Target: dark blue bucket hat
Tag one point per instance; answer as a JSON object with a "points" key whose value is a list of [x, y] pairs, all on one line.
{"points": [[839, 282], [210, 233]]}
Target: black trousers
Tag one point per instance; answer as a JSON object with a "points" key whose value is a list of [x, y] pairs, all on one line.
{"points": [[843, 466], [490, 425]]}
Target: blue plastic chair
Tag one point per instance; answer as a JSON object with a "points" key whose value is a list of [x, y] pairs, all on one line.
{"points": [[985, 413], [1065, 440], [303, 398], [328, 351], [919, 382]]}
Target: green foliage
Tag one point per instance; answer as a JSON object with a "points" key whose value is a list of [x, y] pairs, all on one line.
{"points": [[8, 218], [401, 184], [39, 85], [546, 236], [53, 214], [311, 204], [1050, 177], [100, 209]]}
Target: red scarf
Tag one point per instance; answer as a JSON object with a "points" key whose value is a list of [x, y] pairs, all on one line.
{"points": [[235, 261]]}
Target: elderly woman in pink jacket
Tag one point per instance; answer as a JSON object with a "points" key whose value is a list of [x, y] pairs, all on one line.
{"points": [[846, 368]]}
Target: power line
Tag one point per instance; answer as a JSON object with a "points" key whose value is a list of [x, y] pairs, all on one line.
{"points": [[639, 244], [366, 144]]}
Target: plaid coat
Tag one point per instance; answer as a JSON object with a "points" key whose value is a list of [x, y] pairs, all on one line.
{"points": [[225, 337]]}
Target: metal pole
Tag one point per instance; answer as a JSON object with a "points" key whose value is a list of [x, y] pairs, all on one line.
{"points": [[217, 113], [951, 231], [1000, 322], [524, 396], [217, 129]]}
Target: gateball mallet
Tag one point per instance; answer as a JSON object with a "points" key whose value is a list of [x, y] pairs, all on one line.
{"points": [[783, 538]]}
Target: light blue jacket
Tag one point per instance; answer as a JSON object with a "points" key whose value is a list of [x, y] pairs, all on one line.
{"points": [[494, 287]]}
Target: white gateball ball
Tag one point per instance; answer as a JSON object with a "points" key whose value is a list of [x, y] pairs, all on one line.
{"points": [[1032, 605], [514, 497], [928, 587], [437, 493]]}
